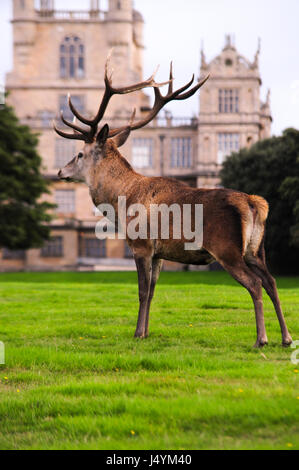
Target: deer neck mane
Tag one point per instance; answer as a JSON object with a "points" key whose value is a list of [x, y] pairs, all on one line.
{"points": [[112, 177]]}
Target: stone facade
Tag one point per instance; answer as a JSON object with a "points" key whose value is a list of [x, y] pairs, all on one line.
{"points": [[61, 52], [232, 115]]}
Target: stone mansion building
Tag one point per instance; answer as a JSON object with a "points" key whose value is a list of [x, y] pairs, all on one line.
{"points": [[56, 52]]}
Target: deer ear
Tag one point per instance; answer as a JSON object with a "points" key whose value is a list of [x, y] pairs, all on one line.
{"points": [[103, 135], [121, 138]]}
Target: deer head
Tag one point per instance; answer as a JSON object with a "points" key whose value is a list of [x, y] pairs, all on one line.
{"points": [[95, 140], [79, 168]]}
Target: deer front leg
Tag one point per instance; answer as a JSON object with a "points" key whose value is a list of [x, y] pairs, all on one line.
{"points": [[156, 268], [144, 270]]}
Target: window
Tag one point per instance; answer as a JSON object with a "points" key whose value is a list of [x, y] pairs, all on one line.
{"points": [[46, 5], [13, 254], [228, 62], [65, 200], [71, 58], [227, 143], [78, 102], [53, 248], [229, 101], [181, 152], [142, 153], [93, 248], [46, 117], [64, 152]]}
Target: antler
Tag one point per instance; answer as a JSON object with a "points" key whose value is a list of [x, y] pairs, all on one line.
{"points": [[161, 101], [88, 135], [81, 133]]}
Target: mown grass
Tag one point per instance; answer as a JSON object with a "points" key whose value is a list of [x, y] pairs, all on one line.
{"points": [[75, 378]]}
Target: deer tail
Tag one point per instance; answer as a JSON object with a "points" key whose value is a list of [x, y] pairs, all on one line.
{"points": [[261, 206], [260, 209], [253, 212]]}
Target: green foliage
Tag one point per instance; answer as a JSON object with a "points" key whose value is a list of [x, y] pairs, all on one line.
{"points": [[75, 378], [270, 168], [22, 214]]}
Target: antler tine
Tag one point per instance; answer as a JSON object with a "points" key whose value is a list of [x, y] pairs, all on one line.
{"points": [[74, 122], [150, 82], [180, 90], [193, 90], [73, 126], [76, 113], [170, 86], [66, 135], [107, 64], [132, 118]]}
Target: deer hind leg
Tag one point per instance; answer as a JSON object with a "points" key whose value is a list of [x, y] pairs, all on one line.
{"points": [[156, 269], [258, 265], [144, 270], [247, 278]]}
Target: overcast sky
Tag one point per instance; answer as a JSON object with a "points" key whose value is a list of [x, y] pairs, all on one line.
{"points": [[175, 29]]}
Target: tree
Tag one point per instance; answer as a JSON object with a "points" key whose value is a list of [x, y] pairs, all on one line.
{"points": [[270, 168], [23, 216]]}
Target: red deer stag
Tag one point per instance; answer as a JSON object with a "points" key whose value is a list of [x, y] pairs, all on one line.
{"points": [[233, 222]]}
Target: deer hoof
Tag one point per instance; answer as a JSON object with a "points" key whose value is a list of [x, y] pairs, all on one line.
{"points": [[287, 341], [139, 334], [260, 343]]}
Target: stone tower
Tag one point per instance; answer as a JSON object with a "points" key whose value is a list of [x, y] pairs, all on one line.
{"points": [[232, 114], [119, 36], [57, 52], [24, 33], [124, 27], [125, 35]]}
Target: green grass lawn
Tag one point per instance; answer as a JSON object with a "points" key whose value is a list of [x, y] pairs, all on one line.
{"points": [[75, 378]]}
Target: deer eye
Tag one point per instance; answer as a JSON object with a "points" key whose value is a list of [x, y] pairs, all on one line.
{"points": [[80, 155]]}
